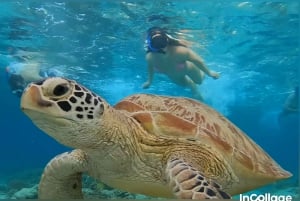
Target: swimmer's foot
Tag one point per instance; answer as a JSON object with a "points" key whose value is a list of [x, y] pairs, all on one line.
{"points": [[198, 96]]}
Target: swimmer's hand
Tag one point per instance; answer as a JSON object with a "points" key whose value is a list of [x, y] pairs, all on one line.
{"points": [[146, 85], [214, 74]]}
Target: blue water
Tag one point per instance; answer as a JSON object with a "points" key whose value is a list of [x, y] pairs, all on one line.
{"points": [[253, 44]]}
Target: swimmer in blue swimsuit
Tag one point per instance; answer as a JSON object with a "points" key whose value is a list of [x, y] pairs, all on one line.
{"points": [[173, 58]]}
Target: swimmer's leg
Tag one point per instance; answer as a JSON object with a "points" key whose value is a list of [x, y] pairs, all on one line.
{"points": [[186, 81], [194, 88], [195, 73]]}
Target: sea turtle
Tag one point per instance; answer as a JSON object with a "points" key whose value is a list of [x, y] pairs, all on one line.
{"points": [[148, 144]]}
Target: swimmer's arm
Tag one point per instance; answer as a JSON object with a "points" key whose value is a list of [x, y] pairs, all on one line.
{"points": [[150, 76], [198, 61]]}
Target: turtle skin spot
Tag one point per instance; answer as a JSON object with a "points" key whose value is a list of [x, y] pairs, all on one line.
{"points": [[80, 116], [224, 195], [210, 192], [200, 178], [88, 98], [73, 99], [78, 94], [95, 102], [79, 109], [64, 105], [101, 109], [90, 116], [201, 190], [78, 87]]}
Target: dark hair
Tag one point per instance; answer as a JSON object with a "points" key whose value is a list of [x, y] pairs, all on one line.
{"points": [[157, 39]]}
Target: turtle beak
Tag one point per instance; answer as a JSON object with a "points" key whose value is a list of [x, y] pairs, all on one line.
{"points": [[32, 99]]}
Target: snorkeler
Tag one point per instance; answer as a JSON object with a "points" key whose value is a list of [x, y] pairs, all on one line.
{"points": [[173, 58]]}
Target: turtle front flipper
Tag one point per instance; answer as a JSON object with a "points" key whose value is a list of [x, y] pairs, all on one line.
{"points": [[62, 176], [188, 183]]}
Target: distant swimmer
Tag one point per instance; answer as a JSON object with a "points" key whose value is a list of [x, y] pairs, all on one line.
{"points": [[291, 105], [173, 58], [25, 70], [292, 102]]}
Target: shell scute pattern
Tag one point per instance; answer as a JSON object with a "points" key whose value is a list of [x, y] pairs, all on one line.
{"points": [[205, 124]]}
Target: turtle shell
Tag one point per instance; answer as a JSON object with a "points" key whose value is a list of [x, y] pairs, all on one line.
{"points": [[188, 118]]}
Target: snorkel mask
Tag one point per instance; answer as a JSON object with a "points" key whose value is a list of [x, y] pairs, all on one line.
{"points": [[157, 39]]}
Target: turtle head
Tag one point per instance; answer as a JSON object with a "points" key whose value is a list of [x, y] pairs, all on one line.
{"points": [[64, 110]]}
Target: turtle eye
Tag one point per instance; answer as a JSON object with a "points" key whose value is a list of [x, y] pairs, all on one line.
{"points": [[60, 89]]}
